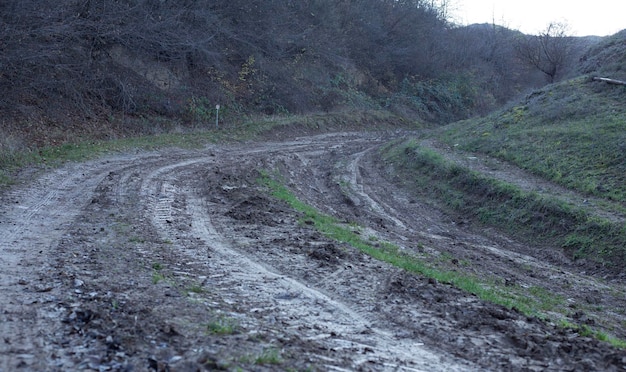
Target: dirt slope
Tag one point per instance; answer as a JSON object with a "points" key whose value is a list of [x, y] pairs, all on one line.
{"points": [[177, 260]]}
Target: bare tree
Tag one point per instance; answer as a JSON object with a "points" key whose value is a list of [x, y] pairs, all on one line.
{"points": [[548, 51]]}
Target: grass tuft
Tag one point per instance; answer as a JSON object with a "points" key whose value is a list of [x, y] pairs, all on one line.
{"points": [[269, 356], [223, 326]]}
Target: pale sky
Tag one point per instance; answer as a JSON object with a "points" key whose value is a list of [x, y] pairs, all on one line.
{"points": [[595, 17]]}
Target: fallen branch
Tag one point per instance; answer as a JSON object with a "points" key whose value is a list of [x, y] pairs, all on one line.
{"points": [[610, 81]]}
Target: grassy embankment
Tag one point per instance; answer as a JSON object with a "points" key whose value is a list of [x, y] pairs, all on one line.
{"points": [[573, 134]]}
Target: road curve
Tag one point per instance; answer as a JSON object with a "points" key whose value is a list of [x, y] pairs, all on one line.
{"points": [[98, 259]]}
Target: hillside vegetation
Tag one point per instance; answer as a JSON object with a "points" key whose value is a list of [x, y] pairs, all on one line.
{"points": [[573, 134], [78, 70]]}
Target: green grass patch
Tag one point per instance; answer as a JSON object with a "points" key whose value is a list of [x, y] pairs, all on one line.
{"points": [[196, 288], [520, 299], [157, 277], [536, 218], [136, 239], [586, 331], [269, 356], [223, 326], [157, 273]]}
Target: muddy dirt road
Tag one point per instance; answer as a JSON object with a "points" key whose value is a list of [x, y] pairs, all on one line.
{"points": [[178, 260]]}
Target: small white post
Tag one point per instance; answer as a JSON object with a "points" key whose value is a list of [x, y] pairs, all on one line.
{"points": [[217, 115]]}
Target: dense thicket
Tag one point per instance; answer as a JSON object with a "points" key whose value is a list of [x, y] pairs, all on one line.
{"points": [[88, 58]]}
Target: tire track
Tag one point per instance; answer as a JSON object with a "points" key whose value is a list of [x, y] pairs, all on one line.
{"points": [[33, 221], [323, 315], [304, 309]]}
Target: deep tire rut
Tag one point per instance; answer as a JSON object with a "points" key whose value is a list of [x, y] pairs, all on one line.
{"points": [[305, 310]]}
